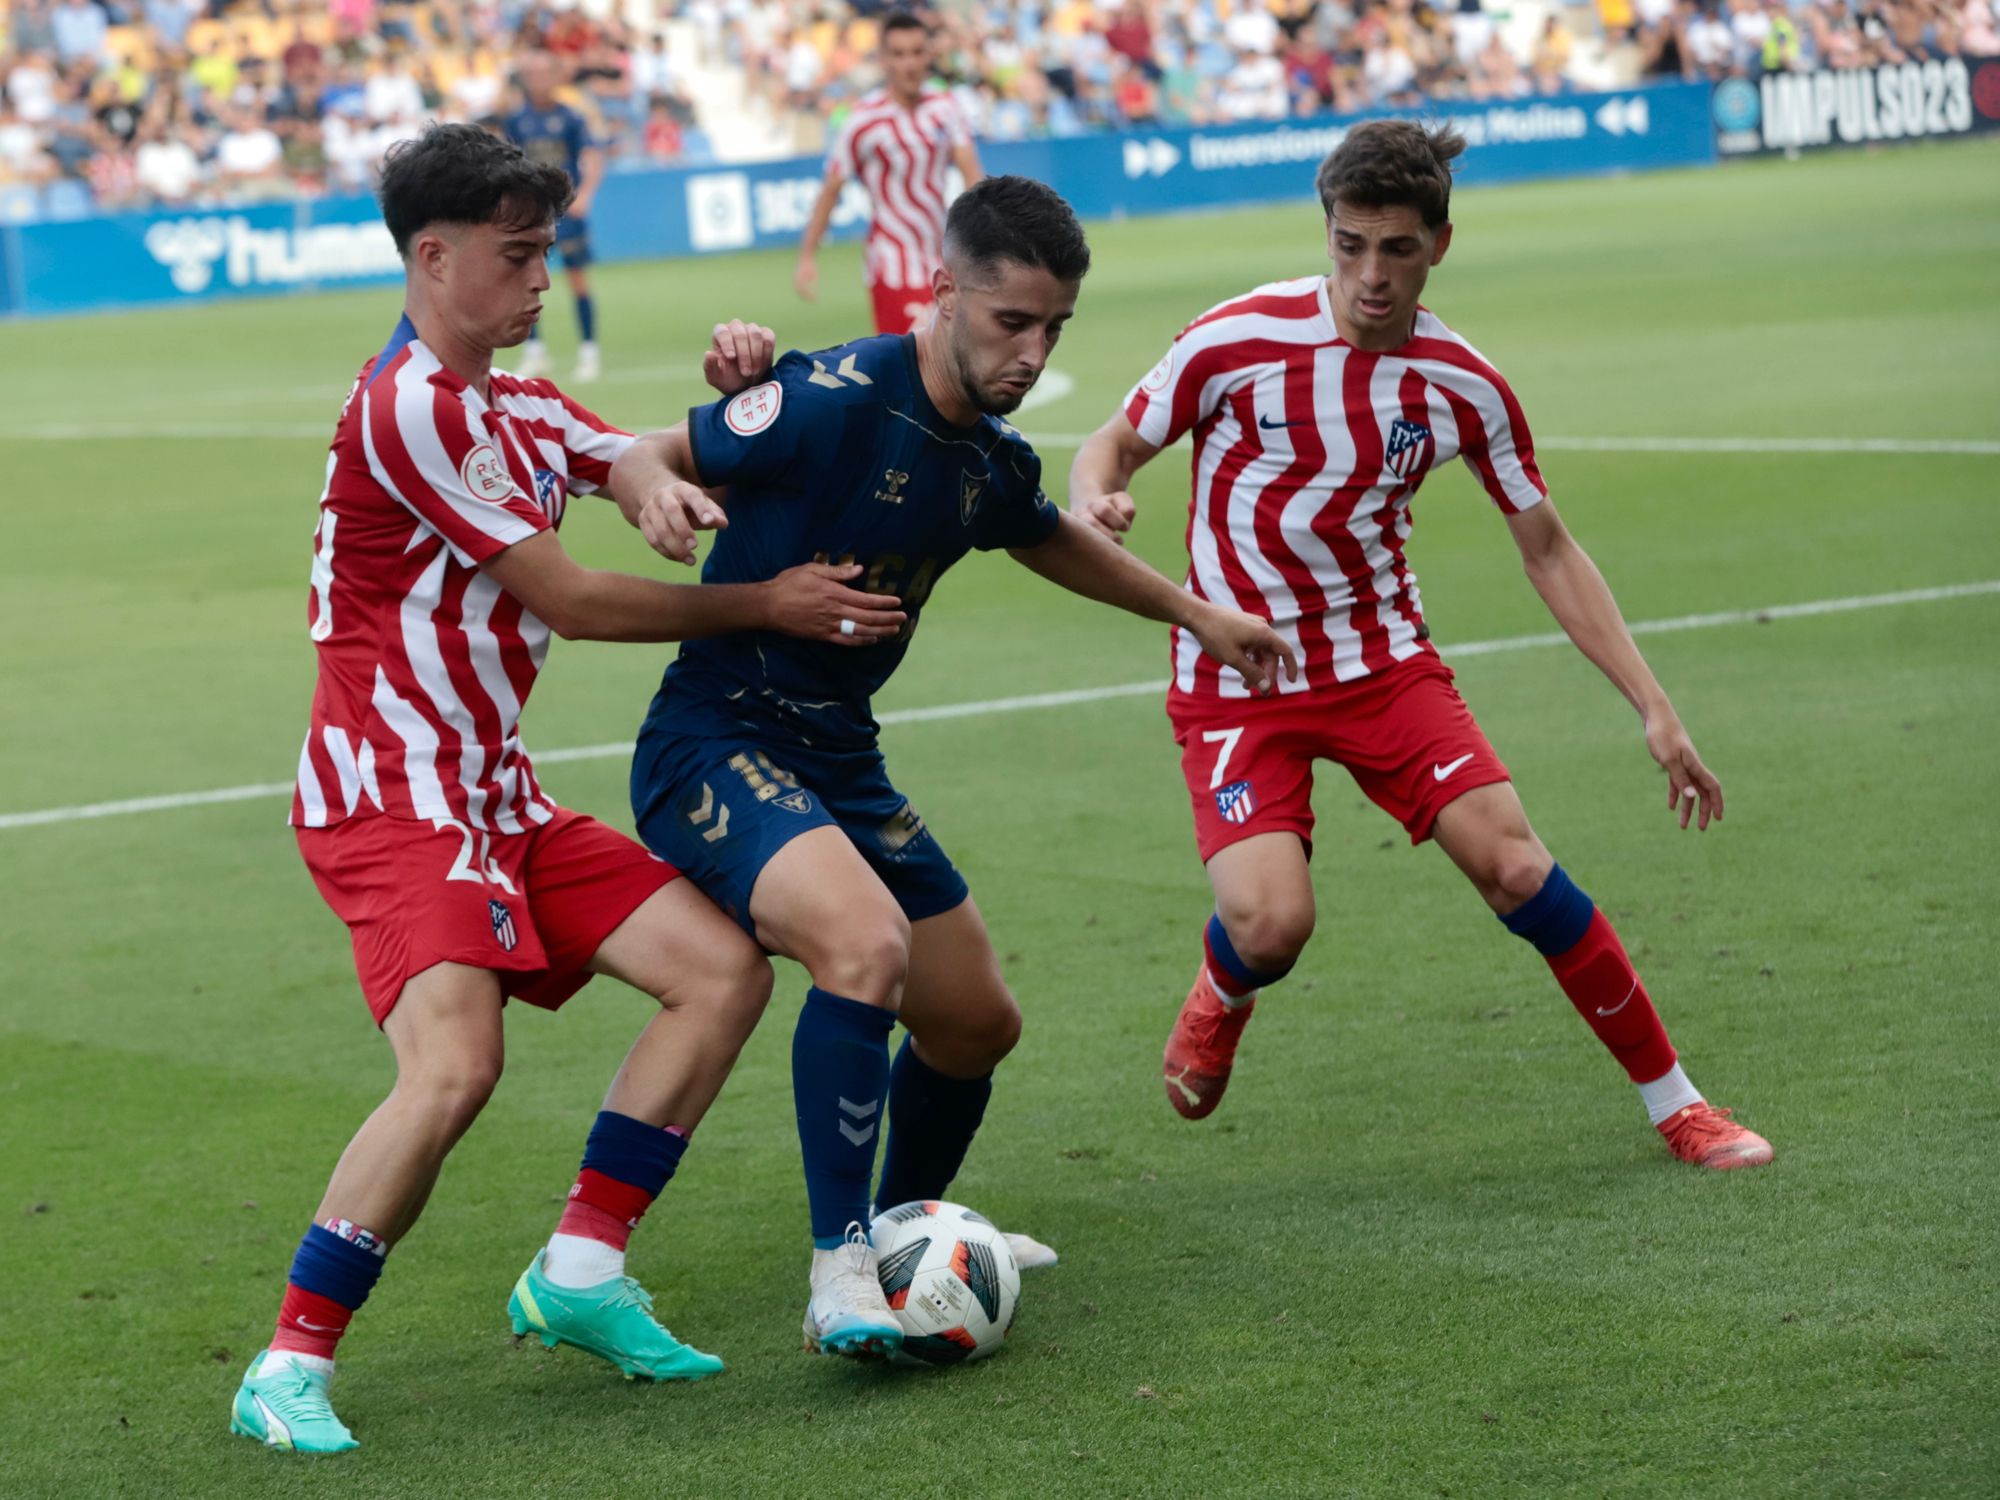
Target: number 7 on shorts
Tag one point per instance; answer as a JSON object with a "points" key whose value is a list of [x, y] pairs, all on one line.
{"points": [[1227, 738]]}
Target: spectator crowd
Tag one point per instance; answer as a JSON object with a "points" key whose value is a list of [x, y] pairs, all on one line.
{"points": [[112, 104]]}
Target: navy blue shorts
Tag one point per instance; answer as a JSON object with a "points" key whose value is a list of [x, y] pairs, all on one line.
{"points": [[573, 243], [719, 808]]}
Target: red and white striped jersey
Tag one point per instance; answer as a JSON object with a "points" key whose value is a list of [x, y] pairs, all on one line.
{"points": [[1307, 454], [425, 661], [900, 156]]}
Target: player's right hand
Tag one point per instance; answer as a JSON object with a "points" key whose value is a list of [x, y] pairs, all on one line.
{"points": [[670, 516], [738, 356], [1110, 513], [805, 279], [812, 600]]}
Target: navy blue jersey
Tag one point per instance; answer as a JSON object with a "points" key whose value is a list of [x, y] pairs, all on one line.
{"points": [[841, 457], [557, 135]]}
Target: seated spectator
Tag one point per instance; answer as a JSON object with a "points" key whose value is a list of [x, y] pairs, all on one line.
{"points": [[664, 136], [80, 29], [1552, 54], [249, 159], [1254, 90], [1710, 45], [22, 159], [165, 166], [1133, 94]]}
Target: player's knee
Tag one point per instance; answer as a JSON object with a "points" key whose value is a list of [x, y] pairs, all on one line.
{"points": [[1270, 937], [454, 1092], [1515, 872], [996, 1031], [869, 960]]}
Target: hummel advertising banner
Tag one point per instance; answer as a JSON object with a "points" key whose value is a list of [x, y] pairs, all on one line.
{"points": [[1910, 101], [328, 243]]}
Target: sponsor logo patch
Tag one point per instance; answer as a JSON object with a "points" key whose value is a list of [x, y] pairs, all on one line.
{"points": [[1235, 802], [1158, 377], [750, 412]]}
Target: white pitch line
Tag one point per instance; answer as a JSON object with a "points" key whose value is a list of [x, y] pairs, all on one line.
{"points": [[1067, 698], [1905, 447], [87, 432]]}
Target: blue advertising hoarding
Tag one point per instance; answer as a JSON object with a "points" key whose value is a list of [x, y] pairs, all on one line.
{"points": [[129, 259]]}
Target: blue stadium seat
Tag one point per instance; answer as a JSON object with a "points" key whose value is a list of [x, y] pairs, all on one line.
{"points": [[66, 198], [19, 204]]}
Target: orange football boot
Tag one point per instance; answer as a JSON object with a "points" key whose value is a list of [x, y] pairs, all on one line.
{"points": [[1706, 1136], [1202, 1049]]}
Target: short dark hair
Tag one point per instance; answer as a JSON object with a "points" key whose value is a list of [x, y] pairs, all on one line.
{"points": [[904, 20], [1393, 163], [1017, 219], [461, 174]]}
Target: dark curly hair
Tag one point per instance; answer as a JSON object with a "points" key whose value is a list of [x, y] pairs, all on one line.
{"points": [[461, 174], [1390, 164], [1017, 219]]}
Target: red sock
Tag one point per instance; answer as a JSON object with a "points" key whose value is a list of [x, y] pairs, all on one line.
{"points": [[603, 1208], [1605, 989], [309, 1323]]}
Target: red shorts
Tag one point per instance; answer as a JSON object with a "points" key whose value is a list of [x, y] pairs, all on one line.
{"points": [[898, 309], [1404, 735], [532, 907]]}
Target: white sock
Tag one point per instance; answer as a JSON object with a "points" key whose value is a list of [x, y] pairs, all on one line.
{"points": [[1229, 1001], [577, 1261], [278, 1360], [1669, 1094]]}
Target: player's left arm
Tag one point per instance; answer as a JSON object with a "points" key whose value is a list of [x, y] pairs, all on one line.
{"points": [[654, 491], [965, 156], [1581, 602], [589, 171], [1077, 557]]}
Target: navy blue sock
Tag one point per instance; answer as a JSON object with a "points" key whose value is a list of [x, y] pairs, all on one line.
{"points": [[932, 1120], [335, 1268], [1555, 918], [632, 1152], [1226, 967], [586, 317], [840, 1069]]}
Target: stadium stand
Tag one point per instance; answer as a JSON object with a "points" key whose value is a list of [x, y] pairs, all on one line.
{"points": [[121, 104]]}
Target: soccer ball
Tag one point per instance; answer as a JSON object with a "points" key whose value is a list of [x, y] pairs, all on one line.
{"points": [[951, 1279]]}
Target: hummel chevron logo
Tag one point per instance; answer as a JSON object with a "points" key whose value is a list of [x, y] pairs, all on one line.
{"points": [[860, 1112], [832, 378], [1444, 772]]}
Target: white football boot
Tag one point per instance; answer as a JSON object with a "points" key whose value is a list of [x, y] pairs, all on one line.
{"points": [[532, 363], [589, 365], [848, 1313], [1030, 1254]]}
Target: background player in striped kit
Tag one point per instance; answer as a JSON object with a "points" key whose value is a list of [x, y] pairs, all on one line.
{"points": [[551, 131], [436, 580], [1317, 407], [897, 144]]}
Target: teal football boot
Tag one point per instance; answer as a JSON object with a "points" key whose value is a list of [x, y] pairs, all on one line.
{"points": [[613, 1320], [288, 1409]]}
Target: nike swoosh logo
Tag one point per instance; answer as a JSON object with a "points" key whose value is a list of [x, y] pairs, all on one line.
{"points": [[1444, 773], [314, 1327], [1622, 1003], [1269, 426]]}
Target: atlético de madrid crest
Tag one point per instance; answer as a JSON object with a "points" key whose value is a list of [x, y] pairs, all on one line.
{"points": [[1407, 448], [970, 487]]}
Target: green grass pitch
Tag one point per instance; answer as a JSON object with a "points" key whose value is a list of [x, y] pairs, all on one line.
{"points": [[1429, 1247]]}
